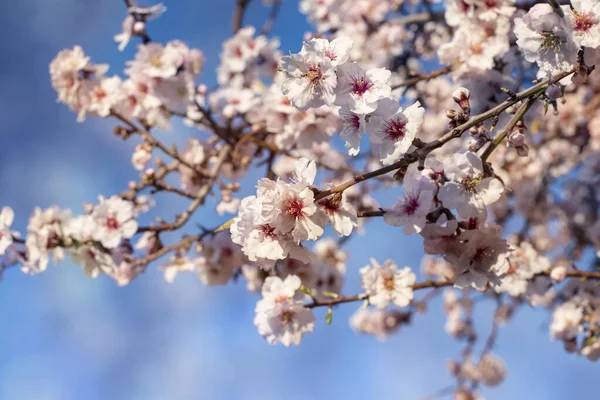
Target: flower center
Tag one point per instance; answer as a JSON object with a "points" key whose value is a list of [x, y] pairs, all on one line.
{"points": [[482, 254], [330, 207], [550, 42], [287, 317], [294, 208], [100, 93], [388, 283], [355, 121], [583, 22], [314, 74], [395, 129], [361, 85], [268, 231], [156, 61], [112, 223], [470, 183], [410, 206]]}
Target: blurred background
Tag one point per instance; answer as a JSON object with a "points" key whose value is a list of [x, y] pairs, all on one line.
{"points": [[64, 336]]}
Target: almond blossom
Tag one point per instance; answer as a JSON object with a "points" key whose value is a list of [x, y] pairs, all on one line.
{"points": [[392, 129], [584, 21], [385, 284], [115, 220], [484, 258], [411, 210], [545, 38], [468, 190], [310, 78], [280, 318], [361, 89]]}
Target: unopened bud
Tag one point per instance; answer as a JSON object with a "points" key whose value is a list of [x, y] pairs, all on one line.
{"points": [[452, 114], [553, 92], [461, 97], [517, 139], [139, 28], [201, 89], [558, 273]]}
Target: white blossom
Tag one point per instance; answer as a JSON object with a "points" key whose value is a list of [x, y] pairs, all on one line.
{"points": [[392, 129], [115, 220], [468, 191], [279, 318], [385, 284], [361, 89]]}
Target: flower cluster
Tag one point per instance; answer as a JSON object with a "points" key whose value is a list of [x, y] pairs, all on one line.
{"points": [[273, 224], [509, 210], [321, 74]]}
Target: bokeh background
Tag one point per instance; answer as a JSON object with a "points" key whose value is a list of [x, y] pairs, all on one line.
{"points": [[63, 336]]}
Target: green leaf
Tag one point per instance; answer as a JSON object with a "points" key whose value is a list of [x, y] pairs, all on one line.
{"points": [[329, 316]]}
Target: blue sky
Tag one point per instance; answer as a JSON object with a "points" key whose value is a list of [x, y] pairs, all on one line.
{"points": [[63, 336]]}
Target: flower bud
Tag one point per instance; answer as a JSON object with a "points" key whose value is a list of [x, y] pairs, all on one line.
{"points": [[461, 97], [139, 28], [517, 139], [452, 114], [558, 273], [553, 92]]}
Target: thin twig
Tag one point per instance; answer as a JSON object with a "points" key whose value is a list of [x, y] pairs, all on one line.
{"points": [[423, 77], [238, 15], [268, 26], [509, 127], [199, 199]]}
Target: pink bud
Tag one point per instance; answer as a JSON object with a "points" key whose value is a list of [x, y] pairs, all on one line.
{"points": [[461, 94], [461, 97], [517, 139]]}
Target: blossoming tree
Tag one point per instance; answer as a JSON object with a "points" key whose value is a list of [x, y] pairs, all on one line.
{"points": [[486, 112]]}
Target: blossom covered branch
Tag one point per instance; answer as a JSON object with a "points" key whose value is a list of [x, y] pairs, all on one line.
{"points": [[399, 85]]}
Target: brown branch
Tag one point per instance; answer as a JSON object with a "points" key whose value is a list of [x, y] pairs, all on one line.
{"points": [[268, 26], [148, 138], [433, 284], [509, 127], [199, 199], [556, 8], [361, 297], [423, 77], [238, 15], [370, 213]]}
